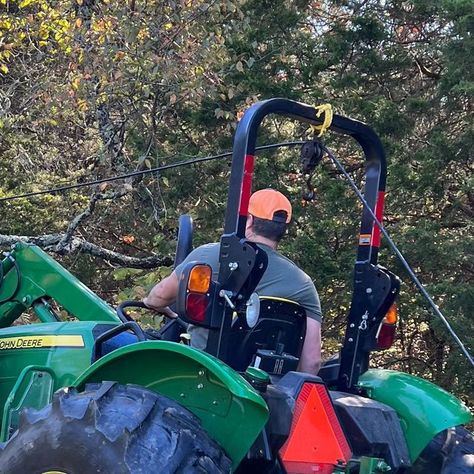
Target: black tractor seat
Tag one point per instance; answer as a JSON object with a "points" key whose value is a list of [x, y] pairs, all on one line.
{"points": [[278, 335]]}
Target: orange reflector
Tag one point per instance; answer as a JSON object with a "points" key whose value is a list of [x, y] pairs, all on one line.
{"points": [[392, 315], [200, 279], [316, 441]]}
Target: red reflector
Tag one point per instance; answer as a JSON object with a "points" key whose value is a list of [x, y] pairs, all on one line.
{"points": [[246, 185], [386, 336], [196, 306], [316, 442]]}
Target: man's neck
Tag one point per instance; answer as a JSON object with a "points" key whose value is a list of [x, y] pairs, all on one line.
{"points": [[258, 239]]}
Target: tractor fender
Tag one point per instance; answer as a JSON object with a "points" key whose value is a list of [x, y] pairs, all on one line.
{"points": [[230, 410], [424, 408]]}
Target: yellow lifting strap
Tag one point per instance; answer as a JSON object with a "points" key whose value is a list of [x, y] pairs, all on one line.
{"points": [[327, 110]]}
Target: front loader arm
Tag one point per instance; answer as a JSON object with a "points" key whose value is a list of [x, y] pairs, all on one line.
{"points": [[30, 278]]}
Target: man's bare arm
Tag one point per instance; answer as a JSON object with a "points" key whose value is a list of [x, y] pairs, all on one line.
{"points": [[163, 294], [310, 360]]}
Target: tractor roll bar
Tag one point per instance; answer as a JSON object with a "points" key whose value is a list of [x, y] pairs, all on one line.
{"points": [[240, 186]]}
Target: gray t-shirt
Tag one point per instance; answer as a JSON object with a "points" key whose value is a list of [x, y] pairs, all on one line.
{"points": [[282, 278]]}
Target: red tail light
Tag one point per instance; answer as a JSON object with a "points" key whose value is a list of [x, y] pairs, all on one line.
{"points": [[387, 329], [386, 336], [196, 306]]}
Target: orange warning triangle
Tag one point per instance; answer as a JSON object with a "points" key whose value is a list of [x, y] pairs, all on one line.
{"points": [[316, 441]]}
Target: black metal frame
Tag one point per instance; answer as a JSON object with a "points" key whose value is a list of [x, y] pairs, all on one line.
{"points": [[243, 157], [240, 189]]}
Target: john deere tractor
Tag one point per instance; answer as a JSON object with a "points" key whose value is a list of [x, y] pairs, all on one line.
{"points": [[98, 394]]}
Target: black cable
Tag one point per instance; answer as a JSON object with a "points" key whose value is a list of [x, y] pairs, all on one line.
{"points": [[61, 189], [397, 252]]}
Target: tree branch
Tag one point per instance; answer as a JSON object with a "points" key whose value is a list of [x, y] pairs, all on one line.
{"points": [[76, 222], [50, 243]]}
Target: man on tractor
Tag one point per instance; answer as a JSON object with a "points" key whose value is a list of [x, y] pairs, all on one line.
{"points": [[268, 218]]}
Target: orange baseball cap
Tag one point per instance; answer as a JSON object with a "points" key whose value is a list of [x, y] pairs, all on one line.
{"points": [[265, 202]]}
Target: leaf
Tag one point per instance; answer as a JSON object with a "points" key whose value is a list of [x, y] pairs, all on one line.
{"points": [[76, 83], [128, 239], [230, 93], [82, 105], [166, 182], [123, 273], [25, 3], [239, 66], [4, 68]]}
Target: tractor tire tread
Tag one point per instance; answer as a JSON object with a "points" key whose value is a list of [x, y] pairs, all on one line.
{"points": [[112, 428], [449, 452]]}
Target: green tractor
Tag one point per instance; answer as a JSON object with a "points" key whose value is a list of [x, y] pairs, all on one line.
{"points": [[98, 394]]}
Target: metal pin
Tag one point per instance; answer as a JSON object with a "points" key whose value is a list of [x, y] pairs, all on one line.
{"points": [[225, 294]]}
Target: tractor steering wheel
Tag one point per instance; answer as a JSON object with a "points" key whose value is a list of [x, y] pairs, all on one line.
{"points": [[125, 317]]}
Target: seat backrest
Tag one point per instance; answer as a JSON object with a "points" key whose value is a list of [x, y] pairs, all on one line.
{"points": [[280, 322]]}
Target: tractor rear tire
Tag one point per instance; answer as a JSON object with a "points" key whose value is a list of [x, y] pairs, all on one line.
{"points": [[111, 429], [449, 452]]}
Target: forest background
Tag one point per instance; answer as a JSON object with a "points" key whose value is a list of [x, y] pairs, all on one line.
{"points": [[94, 88]]}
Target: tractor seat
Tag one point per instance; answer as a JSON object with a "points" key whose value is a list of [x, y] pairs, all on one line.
{"points": [[279, 333]]}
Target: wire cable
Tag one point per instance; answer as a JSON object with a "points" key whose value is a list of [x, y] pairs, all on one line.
{"points": [[400, 256], [61, 189]]}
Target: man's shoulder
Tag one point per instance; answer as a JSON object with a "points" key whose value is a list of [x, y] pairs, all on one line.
{"points": [[207, 248], [210, 245], [288, 262], [206, 252]]}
